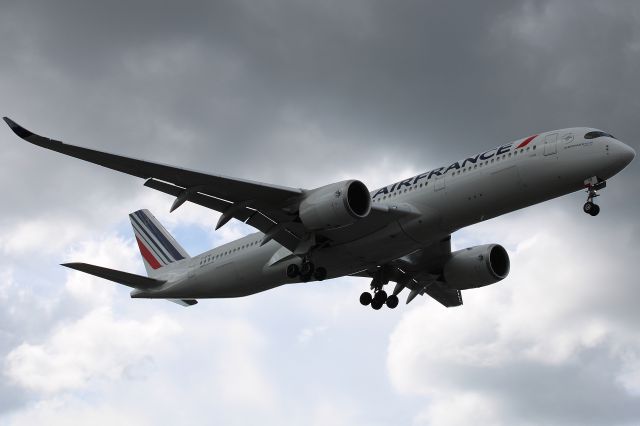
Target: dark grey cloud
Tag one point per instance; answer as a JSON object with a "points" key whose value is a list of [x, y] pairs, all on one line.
{"points": [[300, 93], [430, 80]]}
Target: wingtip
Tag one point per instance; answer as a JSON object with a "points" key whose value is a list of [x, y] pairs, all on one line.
{"points": [[17, 129]]}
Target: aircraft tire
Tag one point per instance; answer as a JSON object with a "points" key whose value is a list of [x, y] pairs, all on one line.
{"points": [[588, 207], [306, 268], [595, 210], [381, 296], [365, 298], [320, 273], [305, 277], [392, 301], [293, 270], [376, 304]]}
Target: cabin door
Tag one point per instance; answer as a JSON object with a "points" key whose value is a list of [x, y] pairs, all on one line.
{"points": [[551, 144]]}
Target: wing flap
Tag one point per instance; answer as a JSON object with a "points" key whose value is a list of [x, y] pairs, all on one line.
{"points": [[251, 217], [120, 277], [448, 297]]}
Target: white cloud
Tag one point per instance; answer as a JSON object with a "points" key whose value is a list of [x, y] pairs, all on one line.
{"points": [[311, 332], [461, 409], [71, 410], [46, 234], [111, 251], [96, 347], [554, 312], [239, 371]]}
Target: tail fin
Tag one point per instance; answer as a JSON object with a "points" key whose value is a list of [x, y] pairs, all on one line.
{"points": [[157, 246]]}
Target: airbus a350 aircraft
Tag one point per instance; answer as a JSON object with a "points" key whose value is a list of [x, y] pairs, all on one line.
{"points": [[400, 233]]}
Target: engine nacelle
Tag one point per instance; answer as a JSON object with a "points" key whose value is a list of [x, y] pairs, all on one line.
{"points": [[476, 266], [335, 205]]}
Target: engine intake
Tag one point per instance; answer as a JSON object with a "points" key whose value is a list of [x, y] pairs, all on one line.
{"points": [[476, 267], [335, 205]]}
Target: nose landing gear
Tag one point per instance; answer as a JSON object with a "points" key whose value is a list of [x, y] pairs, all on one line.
{"points": [[593, 186]]}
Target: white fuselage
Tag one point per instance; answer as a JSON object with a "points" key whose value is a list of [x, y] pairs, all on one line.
{"points": [[481, 187]]}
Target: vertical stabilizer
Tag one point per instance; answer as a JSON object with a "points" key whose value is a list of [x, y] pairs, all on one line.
{"points": [[157, 247]]}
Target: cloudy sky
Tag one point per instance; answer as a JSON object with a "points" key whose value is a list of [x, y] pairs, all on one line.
{"points": [[303, 93]]}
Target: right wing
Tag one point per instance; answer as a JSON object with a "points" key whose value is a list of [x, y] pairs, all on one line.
{"points": [[271, 209], [231, 189], [421, 273], [261, 205]]}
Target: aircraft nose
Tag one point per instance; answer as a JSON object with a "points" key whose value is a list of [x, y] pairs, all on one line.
{"points": [[623, 154]]}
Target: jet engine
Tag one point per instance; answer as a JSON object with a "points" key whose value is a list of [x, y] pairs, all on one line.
{"points": [[476, 266], [335, 205]]}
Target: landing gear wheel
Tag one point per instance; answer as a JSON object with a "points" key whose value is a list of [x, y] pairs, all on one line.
{"points": [[366, 298], [381, 296], [306, 268], [595, 211], [293, 270], [392, 301], [320, 273], [305, 277], [376, 303], [588, 207]]}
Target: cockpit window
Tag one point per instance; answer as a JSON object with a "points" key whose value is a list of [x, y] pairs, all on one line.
{"points": [[598, 134]]}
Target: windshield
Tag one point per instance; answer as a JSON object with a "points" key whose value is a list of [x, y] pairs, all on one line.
{"points": [[598, 134]]}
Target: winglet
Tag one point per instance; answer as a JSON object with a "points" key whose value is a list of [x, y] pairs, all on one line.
{"points": [[17, 129]]}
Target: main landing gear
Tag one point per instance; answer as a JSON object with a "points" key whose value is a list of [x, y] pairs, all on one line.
{"points": [[593, 186], [379, 297], [306, 271]]}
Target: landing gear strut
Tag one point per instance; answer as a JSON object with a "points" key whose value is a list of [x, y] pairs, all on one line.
{"points": [[593, 186]]}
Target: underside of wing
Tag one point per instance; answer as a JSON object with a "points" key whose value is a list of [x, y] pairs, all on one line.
{"points": [[228, 188], [420, 272], [249, 215], [272, 209], [258, 204]]}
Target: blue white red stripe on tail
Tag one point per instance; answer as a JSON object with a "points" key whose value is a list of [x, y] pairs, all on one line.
{"points": [[157, 247]]}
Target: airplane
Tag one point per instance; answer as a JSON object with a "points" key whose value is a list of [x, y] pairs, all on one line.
{"points": [[399, 233]]}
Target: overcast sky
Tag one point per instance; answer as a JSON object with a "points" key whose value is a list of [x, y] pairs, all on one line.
{"points": [[304, 93]]}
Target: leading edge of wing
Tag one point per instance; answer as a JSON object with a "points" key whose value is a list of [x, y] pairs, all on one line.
{"points": [[231, 189]]}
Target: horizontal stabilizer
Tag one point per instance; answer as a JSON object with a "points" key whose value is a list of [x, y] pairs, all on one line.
{"points": [[120, 277]]}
